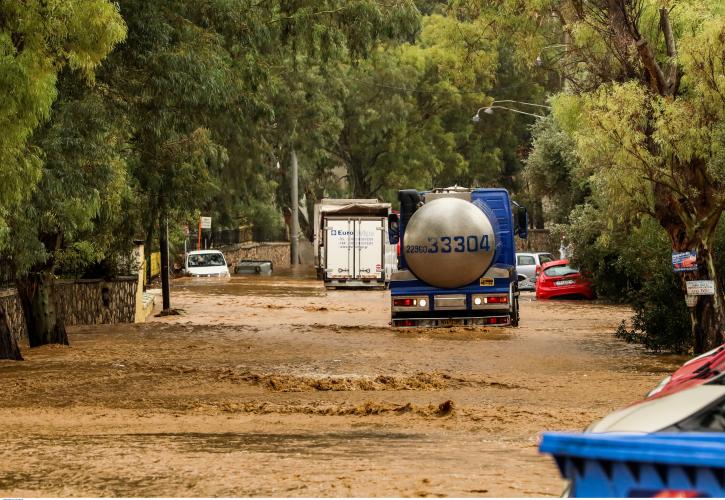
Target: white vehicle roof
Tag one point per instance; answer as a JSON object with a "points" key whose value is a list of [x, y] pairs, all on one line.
{"points": [[656, 414], [197, 252]]}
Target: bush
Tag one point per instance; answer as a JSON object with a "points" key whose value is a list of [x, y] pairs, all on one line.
{"points": [[631, 263], [661, 321]]}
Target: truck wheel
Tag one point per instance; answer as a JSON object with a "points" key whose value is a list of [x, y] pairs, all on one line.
{"points": [[515, 312]]}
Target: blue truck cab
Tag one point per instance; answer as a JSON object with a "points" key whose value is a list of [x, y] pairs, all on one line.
{"points": [[457, 258]]}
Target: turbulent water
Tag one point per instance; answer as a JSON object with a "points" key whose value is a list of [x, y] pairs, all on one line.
{"points": [[275, 387]]}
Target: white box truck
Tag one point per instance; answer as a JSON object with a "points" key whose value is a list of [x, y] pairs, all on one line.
{"points": [[351, 245]]}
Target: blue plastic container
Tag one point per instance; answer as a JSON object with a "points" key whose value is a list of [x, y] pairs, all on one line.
{"points": [[635, 465]]}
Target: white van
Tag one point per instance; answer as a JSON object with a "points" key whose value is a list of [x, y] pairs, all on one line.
{"points": [[206, 263]]}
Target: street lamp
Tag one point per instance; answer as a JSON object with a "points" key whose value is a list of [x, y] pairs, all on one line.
{"points": [[489, 109]]}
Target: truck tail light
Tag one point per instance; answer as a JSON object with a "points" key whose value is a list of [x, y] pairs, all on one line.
{"points": [[497, 300], [480, 301], [497, 321], [405, 303], [405, 322]]}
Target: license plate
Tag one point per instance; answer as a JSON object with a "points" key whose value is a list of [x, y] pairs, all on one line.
{"points": [[486, 282], [449, 322], [565, 282]]}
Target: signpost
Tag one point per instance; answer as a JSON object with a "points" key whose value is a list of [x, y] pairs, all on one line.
{"points": [[204, 223], [700, 287], [683, 262]]}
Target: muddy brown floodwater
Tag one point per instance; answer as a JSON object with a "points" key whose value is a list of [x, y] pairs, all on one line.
{"points": [[274, 387]]}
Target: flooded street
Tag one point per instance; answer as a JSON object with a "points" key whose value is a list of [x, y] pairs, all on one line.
{"points": [[275, 387]]}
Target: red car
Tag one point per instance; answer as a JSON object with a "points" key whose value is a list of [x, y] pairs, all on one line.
{"points": [[695, 372], [558, 279]]}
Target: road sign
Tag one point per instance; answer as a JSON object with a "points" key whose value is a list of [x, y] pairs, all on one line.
{"points": [[700, 287], [691, 300], [683, 262], [206, 222]]}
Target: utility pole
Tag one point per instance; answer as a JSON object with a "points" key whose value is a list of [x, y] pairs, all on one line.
{"points": [[294, 225], [164, 247]]}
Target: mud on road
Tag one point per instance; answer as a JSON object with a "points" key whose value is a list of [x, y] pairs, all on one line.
{"points": [[274, 387]]}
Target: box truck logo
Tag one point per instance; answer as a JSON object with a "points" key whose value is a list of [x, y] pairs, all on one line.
{"points": [[335, 232]]}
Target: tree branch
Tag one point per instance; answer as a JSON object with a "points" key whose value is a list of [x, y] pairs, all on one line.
{"points": [[673, 77], [658, 82]]}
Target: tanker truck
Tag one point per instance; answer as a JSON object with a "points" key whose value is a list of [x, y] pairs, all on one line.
{"points": [[457, 257]]}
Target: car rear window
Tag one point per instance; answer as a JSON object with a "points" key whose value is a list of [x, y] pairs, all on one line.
{"points": [[560, 270], [526, 260], [545, 257], [206, 260]]}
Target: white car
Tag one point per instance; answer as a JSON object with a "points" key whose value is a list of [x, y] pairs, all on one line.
{"points": [[698, 409], [206, 263], [528, 264]]}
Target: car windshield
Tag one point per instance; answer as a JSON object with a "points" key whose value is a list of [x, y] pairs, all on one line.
{"points": [[206, 260], [545, 257], [560, 270]]}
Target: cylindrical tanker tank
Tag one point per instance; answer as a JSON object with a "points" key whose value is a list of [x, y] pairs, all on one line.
{"points": [[449, 242]]}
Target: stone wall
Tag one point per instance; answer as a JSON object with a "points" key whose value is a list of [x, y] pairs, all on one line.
{"points": [[277, 252], [93, 302], [82, 302]]}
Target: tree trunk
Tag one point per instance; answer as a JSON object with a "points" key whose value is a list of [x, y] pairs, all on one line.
{"points": [[8, 345], [43, 323], [164, 249], [708, 315]]}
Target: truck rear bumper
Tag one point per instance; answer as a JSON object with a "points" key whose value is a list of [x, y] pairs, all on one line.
{"points": [[354, 283], [500, 317]]}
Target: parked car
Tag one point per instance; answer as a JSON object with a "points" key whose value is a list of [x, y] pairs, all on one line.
{"points": [[264, 267], [529, 266], [206, 263], [696, 371], [697, 409], [558, 279]]}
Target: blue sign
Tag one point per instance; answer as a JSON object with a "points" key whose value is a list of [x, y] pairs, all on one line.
{"points": [[683, 262]]}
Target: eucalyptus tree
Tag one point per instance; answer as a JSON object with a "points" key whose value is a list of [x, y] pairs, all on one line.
{"points": [[39, 40], [408, 109], [290, 56], [648, 117]]}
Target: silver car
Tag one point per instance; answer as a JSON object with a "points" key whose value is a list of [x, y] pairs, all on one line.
{"points": [[528, 264]]}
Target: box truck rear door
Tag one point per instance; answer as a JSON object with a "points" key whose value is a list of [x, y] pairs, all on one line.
{"points": [[339, 241], [369, 250]]}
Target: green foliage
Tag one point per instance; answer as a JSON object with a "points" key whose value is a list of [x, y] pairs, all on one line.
{"points": [[661, 321], [37, 40], [73, 214], [552, 169], [407, 112], [631, 263]]}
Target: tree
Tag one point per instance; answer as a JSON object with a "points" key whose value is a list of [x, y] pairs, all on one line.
{"points": [[291, 57], [552, 171], [72, 216], [652, 132], [38, 40], [407, 110]]}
